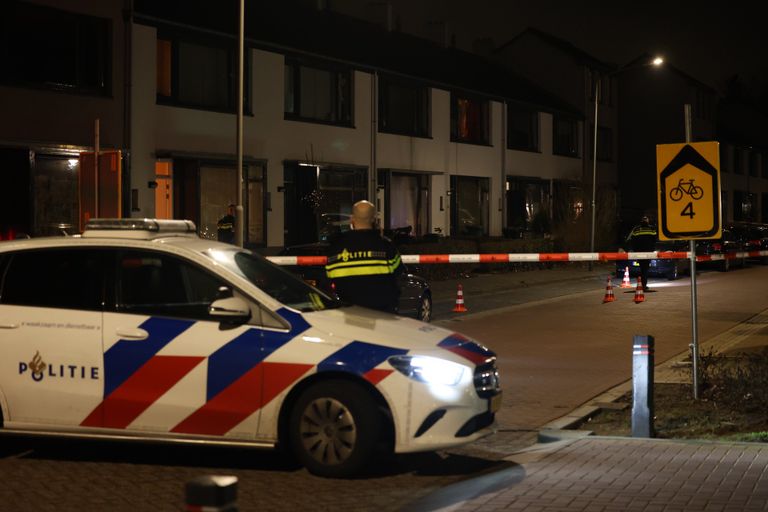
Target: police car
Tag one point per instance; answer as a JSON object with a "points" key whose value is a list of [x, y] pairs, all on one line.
{"points": [[139, 329]]}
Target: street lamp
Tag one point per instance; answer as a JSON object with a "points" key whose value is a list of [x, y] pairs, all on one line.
{"points": [[656, 61]]}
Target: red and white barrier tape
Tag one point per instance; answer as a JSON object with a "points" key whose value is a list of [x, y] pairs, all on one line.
{"points": [[424, 259]]}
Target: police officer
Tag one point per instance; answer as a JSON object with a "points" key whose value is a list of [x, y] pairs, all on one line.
{"points": [[363, 264], [642, 238], [225, 228]]}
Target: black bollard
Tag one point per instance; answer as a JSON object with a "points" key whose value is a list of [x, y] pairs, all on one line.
{"points": [[642, 386], [212, 494]]}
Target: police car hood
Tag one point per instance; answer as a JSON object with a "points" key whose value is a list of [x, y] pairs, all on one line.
{"points": [[354, 323]]}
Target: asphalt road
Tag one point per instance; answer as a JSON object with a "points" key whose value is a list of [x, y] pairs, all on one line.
{"points": [[558, 347]]}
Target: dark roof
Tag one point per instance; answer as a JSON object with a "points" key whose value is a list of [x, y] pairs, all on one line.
{"points": [[645, 58], [578, 54], [288, 27]]}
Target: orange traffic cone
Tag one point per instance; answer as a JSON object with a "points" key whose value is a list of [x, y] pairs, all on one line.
{"points": [[609, 292], [625, 282], [639, 293], [459, 307]]}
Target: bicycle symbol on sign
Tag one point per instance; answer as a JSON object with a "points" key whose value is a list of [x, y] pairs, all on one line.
{"points": [[686, 187]]}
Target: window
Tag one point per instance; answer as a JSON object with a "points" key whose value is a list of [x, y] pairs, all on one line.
{"points": [[157, 284], [407, 201], [527, 205], [45, 47], [754, 163], [606, 83], [764, 206], [59, 278], [764, 165], [469, 120], [403, 108], [565, 137], [606, 90], [198, 74], [725, 162], [318, 94], [737, 161], [522, 129], [55, 180], [218, 189], [255, 228], [604, 143], [318, 199], [469, 206], [702, 107]]}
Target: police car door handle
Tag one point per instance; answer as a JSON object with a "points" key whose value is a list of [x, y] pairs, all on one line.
{"points": [[132, 334], [9, 326]]}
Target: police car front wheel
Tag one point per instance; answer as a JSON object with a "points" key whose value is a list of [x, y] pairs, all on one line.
{"points": [[335, 428]]}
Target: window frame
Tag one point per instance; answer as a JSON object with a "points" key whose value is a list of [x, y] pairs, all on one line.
{"points": [[423, 96], [534, 128], [556, 148], [175, 38], [485, 122], [81, 22], [115, 274], [347, 116]]}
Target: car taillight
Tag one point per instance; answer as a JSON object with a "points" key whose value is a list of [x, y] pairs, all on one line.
{"points": [[717, 247]]}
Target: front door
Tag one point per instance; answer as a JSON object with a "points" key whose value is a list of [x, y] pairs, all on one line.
{"points": [[168, 366]]}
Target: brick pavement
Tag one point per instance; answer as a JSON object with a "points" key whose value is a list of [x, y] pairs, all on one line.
{"points": [[624, 474]]}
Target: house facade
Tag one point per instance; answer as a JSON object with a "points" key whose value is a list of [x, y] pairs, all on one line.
{"points": [[577, 77], [458, 147], [743, 161], [62, 88]]}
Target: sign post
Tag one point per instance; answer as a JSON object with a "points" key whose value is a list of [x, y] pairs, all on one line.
{"points": [[688, 182]]}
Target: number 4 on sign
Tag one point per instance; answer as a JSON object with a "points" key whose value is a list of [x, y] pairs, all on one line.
{"points": [[688, 211]]}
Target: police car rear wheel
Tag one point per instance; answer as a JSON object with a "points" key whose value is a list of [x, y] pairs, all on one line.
{"points": [[335, 428]]}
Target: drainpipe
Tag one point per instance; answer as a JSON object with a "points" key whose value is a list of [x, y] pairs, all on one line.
{"points": [[372, 189], [127, 88], [503, 185]]}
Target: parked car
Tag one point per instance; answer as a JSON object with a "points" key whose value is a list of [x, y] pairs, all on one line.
{"points": [[728, 245], [754, 236], [415, 293], [139, 329], [333, 224], [670, 268]]}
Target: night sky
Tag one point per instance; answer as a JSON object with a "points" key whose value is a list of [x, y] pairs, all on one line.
{"points": [[701, 38]]}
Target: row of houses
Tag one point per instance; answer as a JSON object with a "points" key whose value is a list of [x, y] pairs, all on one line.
{"points": [[336, 110]]}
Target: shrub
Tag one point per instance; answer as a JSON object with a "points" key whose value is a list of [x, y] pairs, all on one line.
{"points": [[739, 379]]}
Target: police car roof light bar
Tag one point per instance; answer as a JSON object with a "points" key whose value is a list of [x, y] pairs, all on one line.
{"points": [[147, 226]]}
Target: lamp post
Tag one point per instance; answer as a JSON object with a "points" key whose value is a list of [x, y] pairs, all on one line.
{"points": [[239, 210], [657, 61]]}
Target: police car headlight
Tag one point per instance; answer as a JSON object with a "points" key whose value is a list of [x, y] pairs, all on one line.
{"points": [[430, 370]]}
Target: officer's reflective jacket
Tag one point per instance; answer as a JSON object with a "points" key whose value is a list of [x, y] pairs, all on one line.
{"points": [[225, 229], [363, 267], [643, 238]]}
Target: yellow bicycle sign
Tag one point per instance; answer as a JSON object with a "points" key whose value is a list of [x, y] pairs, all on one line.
{"points": [[688, 182], [684, 188]]}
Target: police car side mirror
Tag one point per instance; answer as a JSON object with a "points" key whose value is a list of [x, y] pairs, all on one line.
{"points": [[230, 309]]}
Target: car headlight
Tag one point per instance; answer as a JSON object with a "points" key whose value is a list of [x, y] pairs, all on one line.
{"points": [[430, 370]]}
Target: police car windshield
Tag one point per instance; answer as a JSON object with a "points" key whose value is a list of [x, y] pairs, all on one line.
{"points": [[276, 282]]}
